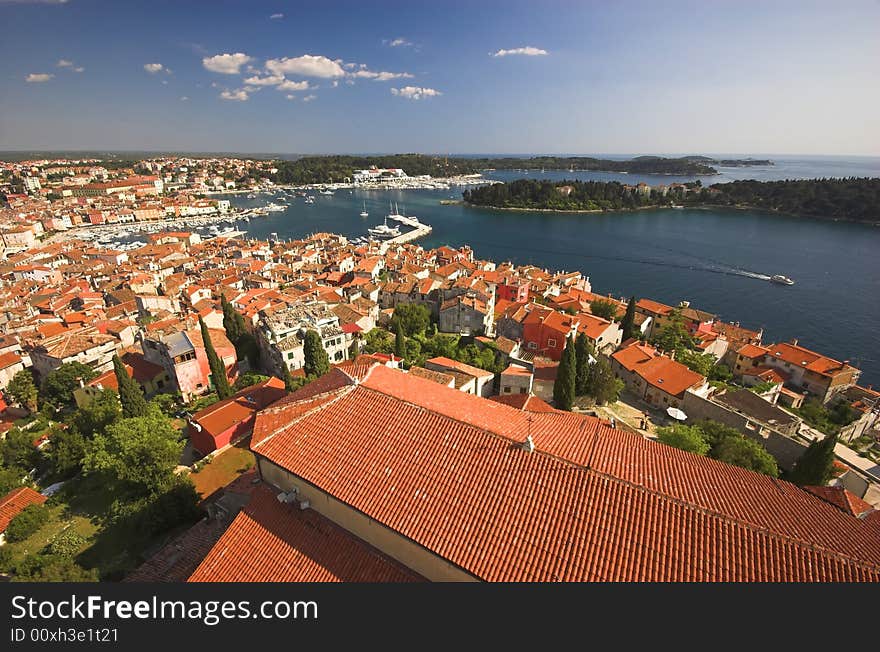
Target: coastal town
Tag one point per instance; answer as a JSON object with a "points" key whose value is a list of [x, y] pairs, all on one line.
{"points": [[325, 389]]}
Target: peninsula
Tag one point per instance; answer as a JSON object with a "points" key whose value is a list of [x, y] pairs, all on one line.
{"points": [[856, 200]]}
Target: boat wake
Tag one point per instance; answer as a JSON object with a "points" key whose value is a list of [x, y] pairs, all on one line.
{"points": [[709, 266]]}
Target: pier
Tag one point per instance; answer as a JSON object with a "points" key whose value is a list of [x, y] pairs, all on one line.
{"points": [[419, 230]]}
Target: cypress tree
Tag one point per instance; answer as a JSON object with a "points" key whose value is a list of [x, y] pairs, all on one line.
{"points": [[218, 369], [399, 342], [130, 395], [815, 466], [317, 362], [582, 350], [564, 387], [355, 349], [229, 319], [287, 378], [628, 325]]}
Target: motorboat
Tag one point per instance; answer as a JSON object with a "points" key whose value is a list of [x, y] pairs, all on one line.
{"points": [[781, 280], [383, 231], [364, 212]]}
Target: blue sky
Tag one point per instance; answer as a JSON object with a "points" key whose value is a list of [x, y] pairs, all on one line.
{"points": [[572, 77]]}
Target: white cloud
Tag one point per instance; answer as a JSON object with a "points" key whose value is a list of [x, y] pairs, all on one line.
{"points": [[527, 51], [415, 92], [184, 98], [79, 69], [398, 42], [64, 63], [271, 80], [290, 97], [309, 98], [237, 96], [288, 85], [227, 64], [38, 77], [381, 76], [276, 16], [335, 83], [165, 81], [307, 65], [153, 68], [34, 2]]}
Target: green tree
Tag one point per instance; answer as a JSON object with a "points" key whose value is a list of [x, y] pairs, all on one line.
{"points": [[17, 450], [746, 453], [601, 383], [131, 396], [399, 341], [57, 388], [721, 372], [26, 522], [583, 350], [317, 363], [355, 350], [233, 322], [687, 438], [169, 404], [94, 417], [23, 390], [566, 377], [289, 384], [816, 465], [66, 451], [218, 369], [673, 336], [628, 325], [248, 380], [702, 363], [140, 453], [413, 317], [10, 478], [604, 309]]}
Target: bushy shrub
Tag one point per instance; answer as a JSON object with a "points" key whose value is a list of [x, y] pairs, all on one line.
{"points": [[66, 544], [26, 522]]}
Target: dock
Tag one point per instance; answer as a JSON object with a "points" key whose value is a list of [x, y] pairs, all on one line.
{"points": [[419, 230]]}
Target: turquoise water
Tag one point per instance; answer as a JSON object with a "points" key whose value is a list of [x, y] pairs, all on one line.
{"points": [[716, 259]]}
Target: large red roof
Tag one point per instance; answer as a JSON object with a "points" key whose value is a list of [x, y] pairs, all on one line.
{"points": [[443, 469], [270, 541]]}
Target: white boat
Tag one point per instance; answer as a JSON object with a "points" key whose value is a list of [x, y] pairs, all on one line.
{"points": [[364, 212], [310, 200], [326, 192], [781, 280], [275, 208], [383, 231]]}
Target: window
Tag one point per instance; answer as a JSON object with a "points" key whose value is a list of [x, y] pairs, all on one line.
{"points": [[522, 390], [160, 384], [533, 345], [290, 355], [551, 342], [507, 389]]}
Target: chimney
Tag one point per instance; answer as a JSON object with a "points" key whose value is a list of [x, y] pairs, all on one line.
{"points": [[529, 444], [794, 341], [672, 354]]}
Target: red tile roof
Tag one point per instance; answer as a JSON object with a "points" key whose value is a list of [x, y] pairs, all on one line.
{"points": [[15, 501], [270, 541], [442, 468], [528, 402], [844, 500]]}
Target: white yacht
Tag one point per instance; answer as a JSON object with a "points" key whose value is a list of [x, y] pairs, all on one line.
{"points": [[364, 212], [781, 280], [275, 208], [383, 231]]}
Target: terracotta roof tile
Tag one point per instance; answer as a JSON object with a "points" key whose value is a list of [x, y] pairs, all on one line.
{"points": [[270, 541], [591, 502], [15, 501]]}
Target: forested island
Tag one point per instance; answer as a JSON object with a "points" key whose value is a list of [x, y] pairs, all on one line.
{"points": [[852, 199], [329, 169]]}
